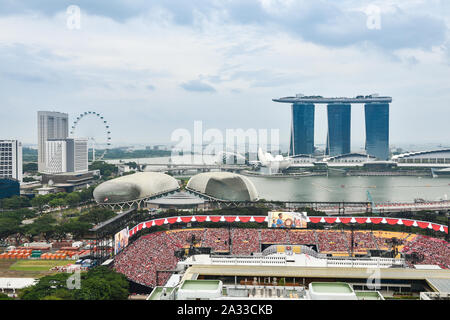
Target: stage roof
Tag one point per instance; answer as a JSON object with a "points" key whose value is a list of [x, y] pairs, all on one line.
{"points": [[440, 285]]}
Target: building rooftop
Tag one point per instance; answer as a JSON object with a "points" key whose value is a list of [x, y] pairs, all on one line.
{"points": [[439, 285], [16, 283], [178, 198], [314, 272], [157, 293], [320, 99], [368, 295], [331, 287], [200, 285]]}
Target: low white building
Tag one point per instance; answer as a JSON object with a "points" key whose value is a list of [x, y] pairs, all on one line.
{"points": [[10, 285], [424, 157], [295, 256]]}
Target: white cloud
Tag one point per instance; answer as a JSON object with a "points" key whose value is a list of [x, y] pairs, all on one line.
{"points": [[138, 66]]}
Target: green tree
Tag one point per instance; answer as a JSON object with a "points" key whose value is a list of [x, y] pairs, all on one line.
{"points": [[8, 227], [43, 226], [57, 202], [5, 297], [106, 169], [97, 215], [15, 202], [73, 199], [99, 283], [132, 165], [38, 202], [103, 284], [76, 228], [86, 194], [60, 232], [48, 286]]}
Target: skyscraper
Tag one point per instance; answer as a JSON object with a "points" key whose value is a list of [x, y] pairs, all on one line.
{"points": [[302, 129], [66, 155], [339, 115], [78, 162], [51, 125], [338, 137], [377, 130], [11, 159]]}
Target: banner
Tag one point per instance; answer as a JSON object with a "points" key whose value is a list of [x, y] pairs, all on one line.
{"points": [[120, 240], [281, 219]]}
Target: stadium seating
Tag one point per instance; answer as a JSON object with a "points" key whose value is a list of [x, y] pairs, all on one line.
{"points": [[435, 251], [149, 259]]}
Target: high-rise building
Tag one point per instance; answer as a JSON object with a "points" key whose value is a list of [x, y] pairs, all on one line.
{"points": [[339, 121], [51, 125], [79, 161], [302, 129], [66, 155], [11, 159], [377, 130], [339, 115]]}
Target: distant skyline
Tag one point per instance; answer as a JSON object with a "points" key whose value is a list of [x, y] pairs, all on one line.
{"points": [[151, 67]]}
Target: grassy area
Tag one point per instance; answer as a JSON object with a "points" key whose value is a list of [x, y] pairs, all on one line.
{"points": [[38, 265], [23, 268]]}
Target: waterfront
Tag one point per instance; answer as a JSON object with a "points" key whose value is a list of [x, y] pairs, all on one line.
{"points": [[344, 188], [382, 189]]}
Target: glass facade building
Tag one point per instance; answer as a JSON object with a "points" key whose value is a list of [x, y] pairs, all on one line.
{"points": [[9, 188], [377, 130], [302, 129], [339, 122]]}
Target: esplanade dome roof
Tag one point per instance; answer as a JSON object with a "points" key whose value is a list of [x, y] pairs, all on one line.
{"points": [[223, 186], [134, 186]]}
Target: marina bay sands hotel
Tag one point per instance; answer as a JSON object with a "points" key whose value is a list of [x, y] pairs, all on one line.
{"points": [[339, 115]]}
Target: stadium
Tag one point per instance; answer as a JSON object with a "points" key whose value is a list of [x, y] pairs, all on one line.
{"points": [[244, 252], [243, 249]]}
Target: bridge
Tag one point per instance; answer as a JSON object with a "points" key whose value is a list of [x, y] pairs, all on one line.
{"points": [[386, 208], [181, 168]]}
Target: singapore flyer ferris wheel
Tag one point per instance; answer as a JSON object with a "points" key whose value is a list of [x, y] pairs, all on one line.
{"points": [[93, 126]]}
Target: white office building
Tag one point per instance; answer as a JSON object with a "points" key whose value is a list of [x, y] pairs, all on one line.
{"points": [[11, 159], [66, 155], [51, 125]]}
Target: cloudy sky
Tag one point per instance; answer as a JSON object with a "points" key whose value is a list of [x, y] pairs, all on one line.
{"points": [[151, 67]]}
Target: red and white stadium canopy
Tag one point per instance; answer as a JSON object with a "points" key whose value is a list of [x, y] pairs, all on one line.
{"points": [[264, 219]]}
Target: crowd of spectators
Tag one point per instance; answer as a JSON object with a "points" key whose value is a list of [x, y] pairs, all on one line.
{"points": [[274, 236], [365, 240], [245, 241], [141, 260], [302, 237], [434, 251], [332, 241], [216, 238]]}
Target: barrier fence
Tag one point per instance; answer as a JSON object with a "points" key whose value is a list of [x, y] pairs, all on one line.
{"points": [[264, 219]]}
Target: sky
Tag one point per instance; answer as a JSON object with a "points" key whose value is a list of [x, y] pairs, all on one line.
{"points": [[151, 67]]}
